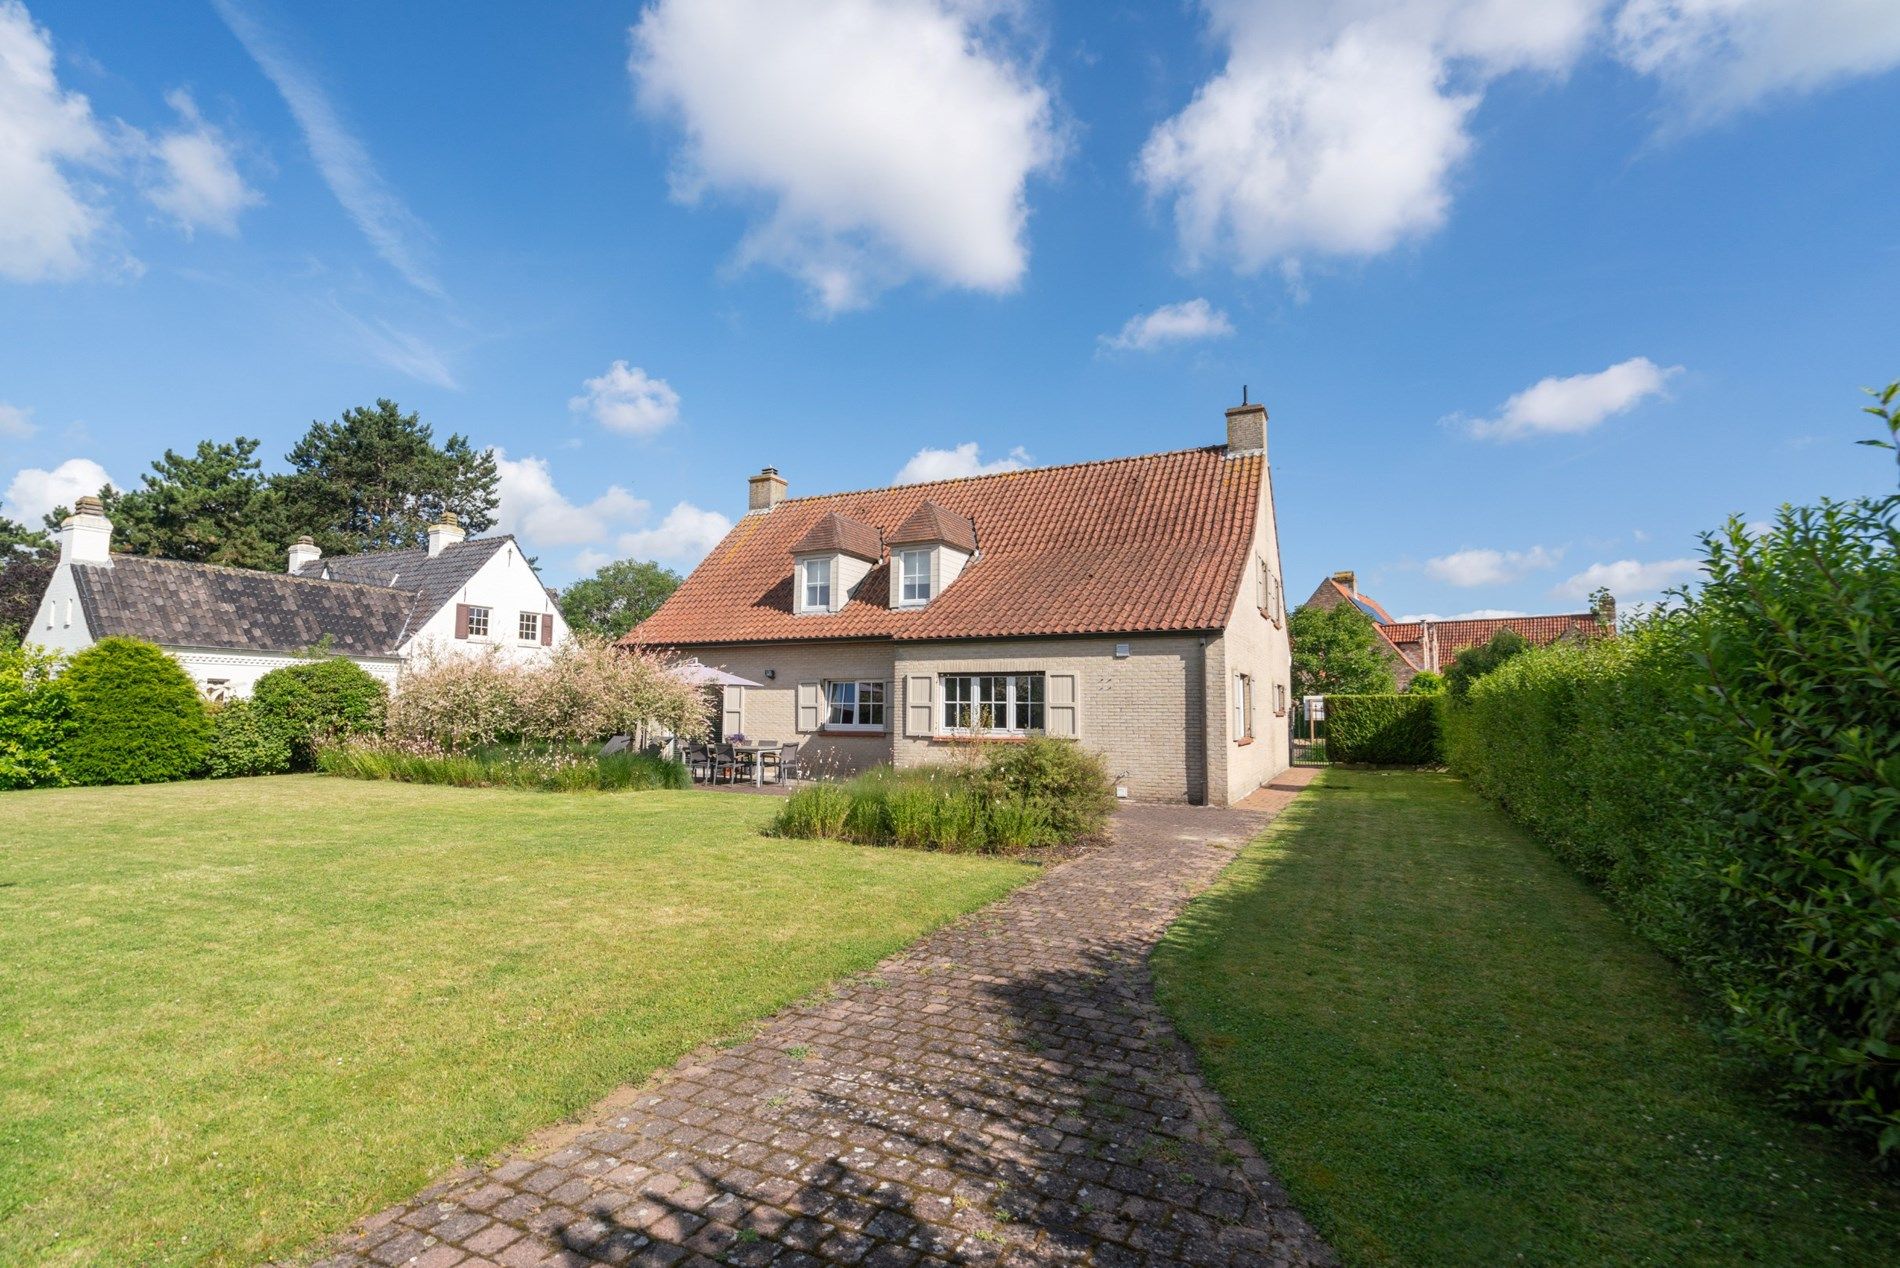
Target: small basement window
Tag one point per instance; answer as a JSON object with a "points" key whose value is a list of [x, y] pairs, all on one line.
{"points": [[856, 704]]}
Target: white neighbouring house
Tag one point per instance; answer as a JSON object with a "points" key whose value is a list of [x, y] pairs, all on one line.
{"points": [[231, 626]]}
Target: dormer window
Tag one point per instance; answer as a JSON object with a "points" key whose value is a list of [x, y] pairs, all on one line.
{"points": [[817, 583], [914, 571]]}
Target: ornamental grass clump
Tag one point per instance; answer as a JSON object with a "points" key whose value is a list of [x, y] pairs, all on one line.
{"points": [[567, 768]]}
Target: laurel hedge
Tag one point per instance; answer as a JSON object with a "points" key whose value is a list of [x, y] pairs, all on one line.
{"points": [[1729, 773], [1383, 730]]}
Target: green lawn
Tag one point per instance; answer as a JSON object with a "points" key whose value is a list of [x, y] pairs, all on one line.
{"points": [[1452, 1052], [236, 1016]]}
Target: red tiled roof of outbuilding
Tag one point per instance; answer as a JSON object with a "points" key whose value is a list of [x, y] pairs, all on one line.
{"points": [[1126, 545]]}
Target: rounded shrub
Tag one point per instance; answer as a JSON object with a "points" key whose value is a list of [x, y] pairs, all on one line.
{"points": [[320, 702], [1067, 784], [136, 716], [246, 741], [35, 715]]}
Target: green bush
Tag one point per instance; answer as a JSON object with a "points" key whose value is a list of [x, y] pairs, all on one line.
{"points": [[543, 768], [35, 717], [1425, 683], [136, 716], [1068, 784], [320, 702], [246, 741], [1383, 730], [1475, 662], [1729, 773]]}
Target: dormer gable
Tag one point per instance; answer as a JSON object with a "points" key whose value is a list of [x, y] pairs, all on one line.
{"points": [[928, 551], [830, 561]]}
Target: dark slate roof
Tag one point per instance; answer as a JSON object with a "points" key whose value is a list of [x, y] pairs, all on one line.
{"points": [[413, 570], [838, 532], [933, 523], [201, 605]]}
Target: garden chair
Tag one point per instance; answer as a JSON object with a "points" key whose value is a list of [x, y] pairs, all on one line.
{"points": [[782, 764], [726, 762], [699, 761]]}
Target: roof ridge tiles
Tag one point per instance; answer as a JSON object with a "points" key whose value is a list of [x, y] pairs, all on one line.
{"points": [[1003, 475]]}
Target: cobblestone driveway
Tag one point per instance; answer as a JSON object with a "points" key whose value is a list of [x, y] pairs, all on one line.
{"points": [[1005, 1091]]}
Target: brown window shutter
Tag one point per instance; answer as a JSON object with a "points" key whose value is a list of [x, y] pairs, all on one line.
{"points": [[461, 620], [547, 629]]}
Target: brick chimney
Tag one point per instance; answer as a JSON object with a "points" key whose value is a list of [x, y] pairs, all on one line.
{"points": [[446, 533], [1350, 580], [304, 552], [764, 490], [1246, 429], [85, 536], [1605, 609]]}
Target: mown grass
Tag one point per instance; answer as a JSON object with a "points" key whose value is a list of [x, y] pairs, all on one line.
{"points": [[1452, 1052], [237, 1015]]}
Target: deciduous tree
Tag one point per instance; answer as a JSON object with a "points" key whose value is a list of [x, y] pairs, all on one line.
{"points": [[1336, 652], [618, 597]]}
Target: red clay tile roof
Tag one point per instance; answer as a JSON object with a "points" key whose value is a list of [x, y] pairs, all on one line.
{"points": [[1366, 602], [1129, 545], [836, 532], [1455, 636], [932, 523]]}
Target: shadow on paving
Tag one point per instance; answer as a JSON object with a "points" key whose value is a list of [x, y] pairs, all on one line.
{"points": [[1004, 1092]]}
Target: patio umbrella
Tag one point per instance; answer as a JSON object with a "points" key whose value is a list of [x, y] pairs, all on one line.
{"points": [[706, 676]]}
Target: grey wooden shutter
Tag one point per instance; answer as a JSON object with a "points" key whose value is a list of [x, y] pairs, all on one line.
{"points": [[809, 696], [919, 702], [732, 717], [1064, 706], [461, 620]]}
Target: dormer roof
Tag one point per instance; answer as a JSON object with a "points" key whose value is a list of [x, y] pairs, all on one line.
{"points": [[836, 533], [933, 523]]}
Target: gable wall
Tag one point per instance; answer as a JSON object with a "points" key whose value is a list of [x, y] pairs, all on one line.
{"points": [[1255, 643], [507, 586]]}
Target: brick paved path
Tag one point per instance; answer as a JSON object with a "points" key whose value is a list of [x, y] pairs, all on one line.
{"points": [[1005, 1092]]}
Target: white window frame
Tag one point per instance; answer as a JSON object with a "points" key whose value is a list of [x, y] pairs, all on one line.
{"points": [[1243, 707], [478, 621], [958, 714], [848, 695], [914, 586], [523, 633], [814, 575]]}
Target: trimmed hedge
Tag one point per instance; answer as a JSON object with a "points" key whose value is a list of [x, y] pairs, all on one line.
{"points": [[35, 717], [1729, 773], [246, 741], [137, 717], [318, 703], [1383, 730]]}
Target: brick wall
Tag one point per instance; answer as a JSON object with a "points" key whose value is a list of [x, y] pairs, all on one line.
{"points": [[770, 712]]}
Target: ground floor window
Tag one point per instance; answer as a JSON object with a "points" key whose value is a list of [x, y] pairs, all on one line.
{"points": [[992, 704], [858, 704]]}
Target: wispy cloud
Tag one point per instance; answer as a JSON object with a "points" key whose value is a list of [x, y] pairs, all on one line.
{"points": [[379, 212], [16, 423], [1171, 323], [400, 349], [1565, 406], [1486, 567]]}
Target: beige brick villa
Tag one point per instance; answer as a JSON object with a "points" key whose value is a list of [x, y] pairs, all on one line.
{"points": [[1134, 604]]}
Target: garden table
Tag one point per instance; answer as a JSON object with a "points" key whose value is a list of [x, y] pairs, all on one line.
{"points": [[755, 749]]}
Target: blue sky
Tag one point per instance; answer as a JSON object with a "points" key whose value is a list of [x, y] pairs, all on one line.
{"points": [[1532, 293]]}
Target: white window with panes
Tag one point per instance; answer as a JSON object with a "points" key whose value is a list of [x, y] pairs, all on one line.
{"points": [[992, 704], [914, 569], [477, 622], [816, 578], [855, 706], [528, 629]]}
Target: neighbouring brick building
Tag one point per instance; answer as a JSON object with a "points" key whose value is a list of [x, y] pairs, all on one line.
{"points": [[1412, 647], [1133, 604]]}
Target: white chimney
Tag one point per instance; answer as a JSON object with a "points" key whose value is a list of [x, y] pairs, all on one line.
{"points": [[449, 532], [304, 552], [85, 536]]}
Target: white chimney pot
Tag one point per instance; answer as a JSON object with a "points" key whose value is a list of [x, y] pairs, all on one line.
{"points": [[85, 536], [303, 552], [445, 534]]}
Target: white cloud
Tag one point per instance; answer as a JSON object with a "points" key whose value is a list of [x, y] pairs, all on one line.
{"points": [[1577, 403], [398, 349], [627, 399], [683, 537], [1333, 129], [47, 221], [378, 211], [1476, 614], [16, 423], [951, 464], [1629, 578], [1170, 323], [535, 510], [198, 185], [1717, 56], [1489, 567], [889, 138], [34, 491]]}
